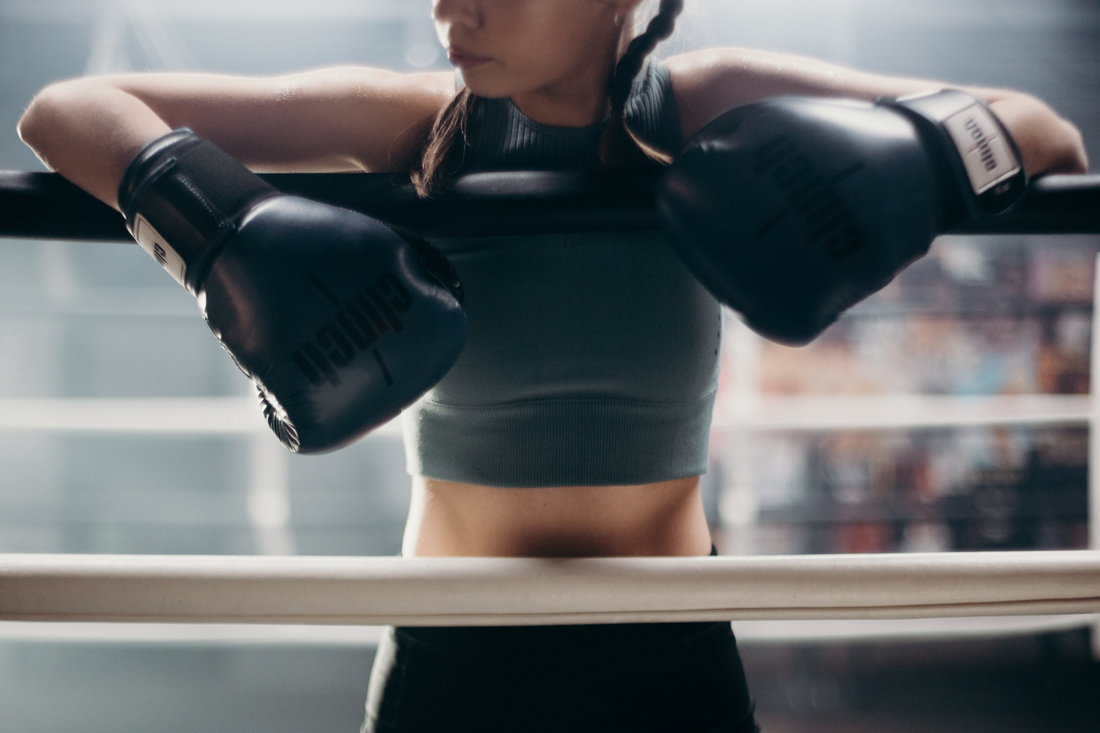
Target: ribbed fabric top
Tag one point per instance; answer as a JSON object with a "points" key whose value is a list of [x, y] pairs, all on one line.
{"points": [[592, 359], [503, 138]]}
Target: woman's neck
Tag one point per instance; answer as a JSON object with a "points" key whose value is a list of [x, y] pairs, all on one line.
{"points": [[579, 98], [566, 104]]}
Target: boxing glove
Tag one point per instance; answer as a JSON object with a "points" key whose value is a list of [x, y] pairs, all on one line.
{"points": [[338, 320], [794, 209]]}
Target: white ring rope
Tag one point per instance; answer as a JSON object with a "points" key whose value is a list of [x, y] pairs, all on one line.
{"points": [[513, 591], [239, 416]]}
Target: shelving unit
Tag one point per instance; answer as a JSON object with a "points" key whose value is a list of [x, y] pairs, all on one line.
{"points": [[749, 413]]}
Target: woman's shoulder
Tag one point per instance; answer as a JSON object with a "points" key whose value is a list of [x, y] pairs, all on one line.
{"points": [[711, 81], [707, 83]]}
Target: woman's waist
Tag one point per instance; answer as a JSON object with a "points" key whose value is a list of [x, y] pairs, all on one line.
{"points": [[656, 519]]}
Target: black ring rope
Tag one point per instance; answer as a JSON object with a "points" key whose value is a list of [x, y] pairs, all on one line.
{"points": [[46, 206]]}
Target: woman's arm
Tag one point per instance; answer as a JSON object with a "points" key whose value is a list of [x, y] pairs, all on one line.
{"points": [[707, 83], [339, 119]]}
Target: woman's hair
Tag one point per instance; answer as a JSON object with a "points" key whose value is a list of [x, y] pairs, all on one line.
{"points": [[619, 147]]}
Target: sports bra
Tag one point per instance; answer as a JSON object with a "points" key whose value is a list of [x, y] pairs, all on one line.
{"points": [[592, 358]]}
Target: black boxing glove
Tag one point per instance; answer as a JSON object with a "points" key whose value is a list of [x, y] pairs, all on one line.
{"points": [[792, 210], [339, 321]]}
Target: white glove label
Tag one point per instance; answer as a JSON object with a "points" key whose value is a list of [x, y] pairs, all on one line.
{"points": [[151, 241], [986, 154]]}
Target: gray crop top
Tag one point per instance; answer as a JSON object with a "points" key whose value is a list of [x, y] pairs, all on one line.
{"points": [[592, 359]]}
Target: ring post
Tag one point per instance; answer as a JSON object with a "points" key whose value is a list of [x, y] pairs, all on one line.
{"points": [[1094, 441]]}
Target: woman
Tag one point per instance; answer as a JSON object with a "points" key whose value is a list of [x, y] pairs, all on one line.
{"points": [[575, 423]]}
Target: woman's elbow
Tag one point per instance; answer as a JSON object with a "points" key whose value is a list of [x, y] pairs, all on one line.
{"points": [[45, 117], [1064, 145], [31, 125], [1077, 158], [1048, 142]]}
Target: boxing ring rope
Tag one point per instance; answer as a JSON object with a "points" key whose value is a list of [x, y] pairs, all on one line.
{"points": [[498, 591], [46, 206], [533, 591], [238, 416]]}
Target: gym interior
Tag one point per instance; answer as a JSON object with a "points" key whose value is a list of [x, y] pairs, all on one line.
{"points": [[125, 429]]}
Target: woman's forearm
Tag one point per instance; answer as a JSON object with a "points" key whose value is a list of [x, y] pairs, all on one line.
{"points": [[89, 132]]}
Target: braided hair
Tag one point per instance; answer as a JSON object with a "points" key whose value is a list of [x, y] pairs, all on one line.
{"points": [[442, 154], [619, 147]]}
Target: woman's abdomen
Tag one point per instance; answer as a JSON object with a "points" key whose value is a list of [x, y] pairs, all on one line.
{"points": [[453, 519]]}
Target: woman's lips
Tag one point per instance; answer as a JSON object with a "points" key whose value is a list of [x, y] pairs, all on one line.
{"points": [[465, 60]]}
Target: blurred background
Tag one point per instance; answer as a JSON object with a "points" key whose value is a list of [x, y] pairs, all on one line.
{"points": [[947, 413]]}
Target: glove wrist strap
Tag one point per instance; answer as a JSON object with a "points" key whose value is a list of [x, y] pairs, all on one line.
{"points": [[981, 154], [182, 197]]}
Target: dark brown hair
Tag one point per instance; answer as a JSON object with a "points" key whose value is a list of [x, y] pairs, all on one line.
{"points": [[445, 145]]}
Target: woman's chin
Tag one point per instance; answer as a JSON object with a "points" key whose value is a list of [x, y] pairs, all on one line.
{"points": [[486, 84]]}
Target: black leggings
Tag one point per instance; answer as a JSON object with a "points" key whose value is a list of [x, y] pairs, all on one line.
{"points": [[682, 678]]}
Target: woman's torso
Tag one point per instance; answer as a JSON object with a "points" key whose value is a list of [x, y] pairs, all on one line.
{"points": [[587, 379]]}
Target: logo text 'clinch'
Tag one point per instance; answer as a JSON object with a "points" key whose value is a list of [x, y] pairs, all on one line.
{"points": [[356, 327], [827, 220]]}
